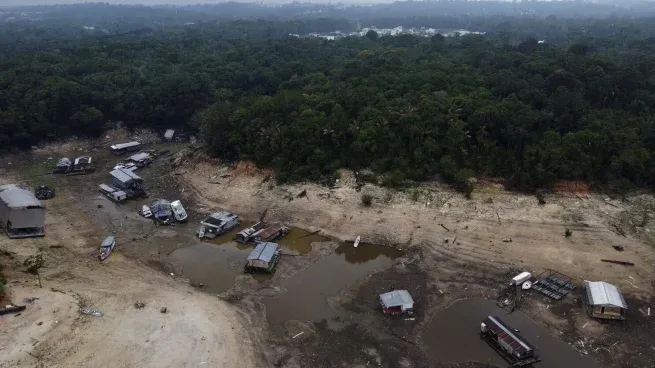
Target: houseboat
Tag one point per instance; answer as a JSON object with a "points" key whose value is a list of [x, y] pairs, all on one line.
{"points": [[263, 258], [218, 223], [507, 342]]}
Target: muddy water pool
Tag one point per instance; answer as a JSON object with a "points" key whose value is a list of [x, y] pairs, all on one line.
{"points": [[308, 292], [217, 262], [452, 336]]}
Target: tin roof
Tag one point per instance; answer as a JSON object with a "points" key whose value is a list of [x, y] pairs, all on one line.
{"points": [[264, 252], [124, 175], [64, 162], [508, 335], [108, 241], [125, 145], [397, 298], [140, 156], [15, 196], [602, 293]]}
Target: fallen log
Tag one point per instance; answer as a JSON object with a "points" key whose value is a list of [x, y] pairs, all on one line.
{"points": [[623, 263], [12, 309]]}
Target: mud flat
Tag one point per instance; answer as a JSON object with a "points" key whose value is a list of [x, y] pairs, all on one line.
{"points": [[453, 336], [308, 292]]}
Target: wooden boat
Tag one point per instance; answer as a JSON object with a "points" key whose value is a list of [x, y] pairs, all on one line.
{"points": [[357, 241], [107, 247]]}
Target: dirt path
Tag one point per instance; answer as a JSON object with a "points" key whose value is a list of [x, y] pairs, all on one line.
{"points": [[197, 330]]}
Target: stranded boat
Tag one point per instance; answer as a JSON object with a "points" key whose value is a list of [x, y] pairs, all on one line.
{"points": [[507, 342], [107, 247], [178, 211]]}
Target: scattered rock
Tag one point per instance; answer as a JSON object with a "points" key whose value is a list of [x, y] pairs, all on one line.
{"points": [[163, 310], [139, 304], [39, 323], [620, 248], [507, 240]]}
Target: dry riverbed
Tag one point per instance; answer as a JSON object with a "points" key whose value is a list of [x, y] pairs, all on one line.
{"points": [[319, 308]]}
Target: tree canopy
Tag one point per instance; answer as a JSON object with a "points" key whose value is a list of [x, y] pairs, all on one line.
{"points": [[504, 104]]}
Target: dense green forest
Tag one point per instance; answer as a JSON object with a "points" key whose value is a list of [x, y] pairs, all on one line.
{"points": [[579, 106]]}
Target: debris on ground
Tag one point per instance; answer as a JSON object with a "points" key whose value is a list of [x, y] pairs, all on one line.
{"points": [[622, 263], [620, 248], [507, 240], [91, 312], [39, 323], [44, 192], [139, 304], [29, 300], [163, 310], [11, 309]]}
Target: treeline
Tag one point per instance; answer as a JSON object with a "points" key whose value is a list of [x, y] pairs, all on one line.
{"points": [[406, 107]]}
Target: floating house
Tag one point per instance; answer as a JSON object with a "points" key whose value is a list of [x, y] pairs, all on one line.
{"points": [[22, 215], [396, 303], [141, 159], [604, 300], [218, 223], [263, 258], [507, 342], [271, 232], [128, 181], [246, 235], [122, 148], [162, 211], [64, 165]]}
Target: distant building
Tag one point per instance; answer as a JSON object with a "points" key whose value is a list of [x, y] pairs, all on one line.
{"points": [[22, 215], [604, 300]]}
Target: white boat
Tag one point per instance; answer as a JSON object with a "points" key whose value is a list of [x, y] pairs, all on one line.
{"points": [[357, 241], [145, 211], [107, 247], [178, 211]]}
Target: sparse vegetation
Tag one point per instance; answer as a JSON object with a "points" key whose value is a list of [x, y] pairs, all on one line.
{"points": [[414, 194], [34, 264], [568, 233], [367, 200]]}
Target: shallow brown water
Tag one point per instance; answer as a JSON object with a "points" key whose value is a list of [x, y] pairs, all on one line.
{"points": [[308, 292], [452, 336]]}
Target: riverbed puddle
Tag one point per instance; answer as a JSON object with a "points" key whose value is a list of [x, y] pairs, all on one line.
{"points": [[453, 336], [308, 293], [217, 262]]}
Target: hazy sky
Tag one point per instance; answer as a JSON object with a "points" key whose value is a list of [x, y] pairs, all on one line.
{"points": [[176, 2]]}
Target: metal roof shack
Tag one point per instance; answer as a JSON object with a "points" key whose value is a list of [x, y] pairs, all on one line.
{"points": [[22, 215], [604, 300], [122, 146], [125, 176], [169, 134], [140, 156], [263, 258], [18, 197], [396, 302]]}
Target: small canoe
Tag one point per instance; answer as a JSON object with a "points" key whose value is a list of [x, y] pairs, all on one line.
{"points": [[357, 241]]}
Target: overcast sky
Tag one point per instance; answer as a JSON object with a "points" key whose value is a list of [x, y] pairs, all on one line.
{"points": [[176, 2]]}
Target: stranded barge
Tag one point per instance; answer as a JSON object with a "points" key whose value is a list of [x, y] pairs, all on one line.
{"points": [[507, 342]]}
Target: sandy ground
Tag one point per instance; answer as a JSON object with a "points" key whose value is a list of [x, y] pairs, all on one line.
{"points": [[453, 248], [476, 230], [197, 330], [483, 242]]}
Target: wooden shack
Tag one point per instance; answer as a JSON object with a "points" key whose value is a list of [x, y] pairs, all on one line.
{"points": [[604, 300], [273, 231]]}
